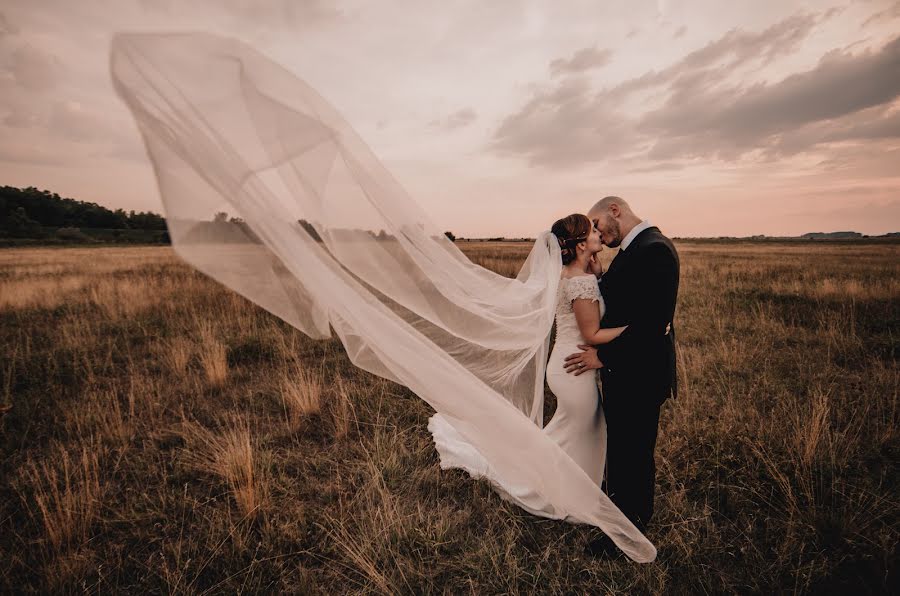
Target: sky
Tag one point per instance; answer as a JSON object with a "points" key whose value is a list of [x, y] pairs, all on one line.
{"points": [[710, 118]]}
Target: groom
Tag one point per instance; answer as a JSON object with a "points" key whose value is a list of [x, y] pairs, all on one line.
{"points": [[637, 369]]}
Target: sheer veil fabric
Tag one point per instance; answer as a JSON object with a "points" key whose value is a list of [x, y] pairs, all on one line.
{"points": [[327, 240]]}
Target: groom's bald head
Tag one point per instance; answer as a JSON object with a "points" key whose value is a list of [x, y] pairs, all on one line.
{"points": [[614, 218], [604, 205]]}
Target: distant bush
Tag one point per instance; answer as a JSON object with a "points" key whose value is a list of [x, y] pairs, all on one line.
{"points": [[17, 224], [73, 235]]}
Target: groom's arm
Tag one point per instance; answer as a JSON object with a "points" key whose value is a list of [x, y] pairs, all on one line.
{"points": [[655, 303]]}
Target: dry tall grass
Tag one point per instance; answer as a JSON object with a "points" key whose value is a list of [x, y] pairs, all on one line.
{"points": [[229, 455], [162, 434], [213, 354], [64, 493], [301, 391]]}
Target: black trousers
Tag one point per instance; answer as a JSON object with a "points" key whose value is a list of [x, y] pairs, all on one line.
{"points": [[632, 422]]}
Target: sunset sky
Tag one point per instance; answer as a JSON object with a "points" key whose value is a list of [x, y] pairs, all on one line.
{"points": [[712, 118]]}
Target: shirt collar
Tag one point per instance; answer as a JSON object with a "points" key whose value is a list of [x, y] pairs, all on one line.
{"points": [[634, 232]]}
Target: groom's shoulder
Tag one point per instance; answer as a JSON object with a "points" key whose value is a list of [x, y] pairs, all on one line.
{"points": [[654, 238], [655, 245]]}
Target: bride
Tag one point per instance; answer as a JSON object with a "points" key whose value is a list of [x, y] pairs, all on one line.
{"points": [[578, 425], [325, 238]]}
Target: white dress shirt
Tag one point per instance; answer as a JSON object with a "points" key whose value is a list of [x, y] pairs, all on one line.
{"points": [[634, 232]]}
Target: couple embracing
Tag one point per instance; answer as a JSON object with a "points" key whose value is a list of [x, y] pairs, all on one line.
{"points": [[613, 363], [611, 367]]}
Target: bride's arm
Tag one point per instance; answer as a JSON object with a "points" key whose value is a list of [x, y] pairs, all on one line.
{"points": [[587, 314]]}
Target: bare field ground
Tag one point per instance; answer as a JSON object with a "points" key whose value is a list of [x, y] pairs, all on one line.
{"points": [[162, 434]]}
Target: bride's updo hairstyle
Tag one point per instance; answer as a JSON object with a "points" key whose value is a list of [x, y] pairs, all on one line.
{"points": [[570, 231]]}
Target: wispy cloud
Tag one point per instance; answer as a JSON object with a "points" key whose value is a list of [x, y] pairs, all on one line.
{"points": [[459, 119], [886, 15], [580, 61], [728, 122], [703, 106]]}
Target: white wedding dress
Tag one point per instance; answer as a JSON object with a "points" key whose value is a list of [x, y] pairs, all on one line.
{"points": [[325, 238], [578, 425]]}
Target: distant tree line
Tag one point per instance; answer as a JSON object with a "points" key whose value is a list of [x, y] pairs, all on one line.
{"points": [[30, 213]]}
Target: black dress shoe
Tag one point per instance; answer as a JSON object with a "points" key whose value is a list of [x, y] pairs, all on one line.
{"points": [[603, 547]]}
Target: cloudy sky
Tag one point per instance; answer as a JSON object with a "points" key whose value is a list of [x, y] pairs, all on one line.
{"points": [[712, 118]]}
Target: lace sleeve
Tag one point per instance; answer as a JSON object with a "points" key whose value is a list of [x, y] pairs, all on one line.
{"points": [[583, 286]]}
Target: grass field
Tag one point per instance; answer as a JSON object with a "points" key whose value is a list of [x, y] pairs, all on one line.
{"points": [[162, 434]]}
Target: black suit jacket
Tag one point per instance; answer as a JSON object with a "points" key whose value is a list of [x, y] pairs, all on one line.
{"points": [[640, 290]]}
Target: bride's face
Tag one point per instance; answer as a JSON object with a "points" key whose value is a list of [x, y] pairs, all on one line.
{"points": [[594, 242]]}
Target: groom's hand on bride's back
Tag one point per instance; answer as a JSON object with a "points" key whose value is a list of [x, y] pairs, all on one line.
{"points": [[583, 361]]}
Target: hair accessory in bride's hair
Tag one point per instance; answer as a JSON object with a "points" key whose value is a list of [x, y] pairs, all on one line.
{"points": [[569, 231]]}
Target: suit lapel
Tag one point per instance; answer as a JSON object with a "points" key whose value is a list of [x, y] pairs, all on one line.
{"points": [[623, 256], [643, 235], [615, 262], [619, 259], [610, 275]]}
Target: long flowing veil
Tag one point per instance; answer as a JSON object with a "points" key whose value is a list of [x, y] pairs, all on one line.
{"points": [[324, 238]]}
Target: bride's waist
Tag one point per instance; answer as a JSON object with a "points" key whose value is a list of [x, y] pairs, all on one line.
{"points": [[562, 349]]}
